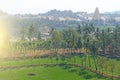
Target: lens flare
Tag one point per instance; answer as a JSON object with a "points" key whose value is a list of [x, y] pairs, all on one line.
{"points": [[1, 39], [2, 35]]}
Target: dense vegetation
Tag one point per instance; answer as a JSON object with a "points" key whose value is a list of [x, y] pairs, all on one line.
{"points": [[88, 46]]}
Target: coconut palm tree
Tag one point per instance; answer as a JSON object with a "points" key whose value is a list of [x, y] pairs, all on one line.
{"points": [[56, 42], [94, 52]]}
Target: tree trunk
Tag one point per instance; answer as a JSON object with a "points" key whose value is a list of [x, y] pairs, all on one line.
{"points": [[95, 64], [89, 60]]}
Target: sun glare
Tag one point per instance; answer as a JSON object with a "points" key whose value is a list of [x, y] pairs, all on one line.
{"points": [[1, 39], [2, 35]]}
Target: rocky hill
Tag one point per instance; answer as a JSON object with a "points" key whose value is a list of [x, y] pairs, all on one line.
{"points": [[55, 19]]}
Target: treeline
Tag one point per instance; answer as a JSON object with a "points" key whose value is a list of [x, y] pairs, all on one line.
{"points": [[84, 39], [93, 40]]}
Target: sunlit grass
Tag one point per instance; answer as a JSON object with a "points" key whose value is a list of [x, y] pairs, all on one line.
{"points": [[46, 72]]}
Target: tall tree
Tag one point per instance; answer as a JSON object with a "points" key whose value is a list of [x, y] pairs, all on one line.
{"points": [[79, 29], [56, 41], [71, 39], [31, 31], [94, 52], [39, 36], [23, 33]]}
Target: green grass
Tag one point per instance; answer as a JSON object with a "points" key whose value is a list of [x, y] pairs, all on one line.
{"points": [[49, 73], [52, 73]]}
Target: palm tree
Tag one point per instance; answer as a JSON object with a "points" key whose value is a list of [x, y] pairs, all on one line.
{"points": [[56, 42], [31, 31], [87, 46], [94, 52], [79, 29], [79, 43], [79, 37], [103, 41], [23, 33], [39, 36]]}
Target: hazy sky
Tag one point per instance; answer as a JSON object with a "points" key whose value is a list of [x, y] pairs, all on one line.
{"points": [[41, 6]]}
